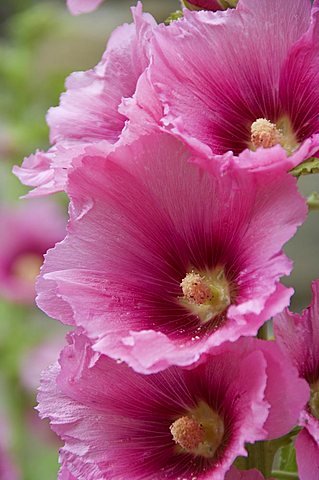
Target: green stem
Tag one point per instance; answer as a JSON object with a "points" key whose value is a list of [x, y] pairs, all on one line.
{"points": [[285, 475], [258, 458], [263, 332]]}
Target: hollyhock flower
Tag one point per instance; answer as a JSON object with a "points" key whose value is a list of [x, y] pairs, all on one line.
{"points": [[89, 109], [298, 336], [77, 7], [178, 423], [230, 86], [27, 232], [163, 259]]}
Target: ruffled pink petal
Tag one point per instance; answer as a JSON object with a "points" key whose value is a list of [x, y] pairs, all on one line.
{"points": [[89, 109], [77, 7], [307, 451], [287, 393], [65, 474], [48, 171], [139, 218], [35, 171], [144, 110], [299, 82], [298, 336], [74, 468], [111, 427]]}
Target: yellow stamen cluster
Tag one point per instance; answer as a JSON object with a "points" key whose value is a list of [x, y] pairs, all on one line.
{"points": [[196, 288], [206, 294], [200, 432], [265, 134], [187, 433]]}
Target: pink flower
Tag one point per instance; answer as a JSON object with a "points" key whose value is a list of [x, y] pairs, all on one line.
{"points": [[173, 424], [298, 336], [27, 232], [77, 7], [163, 260], [65, 474], [233, 81], [89, 109], [307, 452]]}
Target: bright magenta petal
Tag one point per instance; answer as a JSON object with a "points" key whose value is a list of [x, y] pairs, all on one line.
{"points": [[141, 218], [307, 451], [115, 430]]}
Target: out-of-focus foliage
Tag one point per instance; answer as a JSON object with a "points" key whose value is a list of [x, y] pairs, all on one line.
{"points": [[40, 44]]}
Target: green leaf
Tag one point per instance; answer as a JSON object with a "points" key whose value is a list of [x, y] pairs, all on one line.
{"points": [[287, 460], [174, 16], [308, 167], [285, 475]]}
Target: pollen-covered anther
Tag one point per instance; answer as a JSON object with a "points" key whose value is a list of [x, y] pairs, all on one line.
{"points": [[187, 433], [195, 288], [265, 134], [200, 432], [206, 294]]}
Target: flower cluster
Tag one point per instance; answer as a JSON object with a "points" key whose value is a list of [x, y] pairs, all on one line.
{"points": [[175, 152]]}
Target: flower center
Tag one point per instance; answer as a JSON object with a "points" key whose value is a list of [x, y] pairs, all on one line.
{"points": [[206, 295], [27, 267], [200, 432], [314, 399], [266, 134]]}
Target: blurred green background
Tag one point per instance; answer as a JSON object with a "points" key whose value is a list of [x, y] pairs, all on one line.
{"points": [[40, 44]]}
